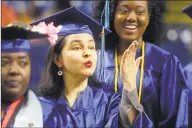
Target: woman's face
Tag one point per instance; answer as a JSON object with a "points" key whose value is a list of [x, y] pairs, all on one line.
{"points": [[15, 74], [131, 19], [79, 55]]}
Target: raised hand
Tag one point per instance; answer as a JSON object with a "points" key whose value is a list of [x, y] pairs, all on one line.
{"points": [[129, 67]]}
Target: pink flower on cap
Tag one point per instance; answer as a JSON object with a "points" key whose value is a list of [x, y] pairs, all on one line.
{"points": [[49, 29]]}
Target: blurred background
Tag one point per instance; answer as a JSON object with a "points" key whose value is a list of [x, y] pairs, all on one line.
{"points": [[176, 37]]}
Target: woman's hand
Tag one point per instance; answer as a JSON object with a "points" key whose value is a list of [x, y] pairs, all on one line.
{"points": [[129, 67]]}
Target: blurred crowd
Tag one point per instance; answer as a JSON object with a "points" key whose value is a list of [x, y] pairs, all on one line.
{"points": [[29, 11]]}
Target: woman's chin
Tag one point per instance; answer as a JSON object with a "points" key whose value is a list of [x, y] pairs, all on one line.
{"points": [[88, 73], [129, 38]]}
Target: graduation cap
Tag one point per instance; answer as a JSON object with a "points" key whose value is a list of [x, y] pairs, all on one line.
{"points": [[16, 39], [13, 32], [74, 21], [188, 10], [16, 45]]}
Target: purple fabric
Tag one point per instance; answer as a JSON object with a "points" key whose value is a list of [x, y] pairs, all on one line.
{"points": [[68, 29], [188, 75], [93, 108], [18, 45], [162, 85]]}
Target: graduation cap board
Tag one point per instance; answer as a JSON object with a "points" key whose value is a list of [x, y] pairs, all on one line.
{"points": [[16, 39], [188, 10], [13, 32], [74, 21]]}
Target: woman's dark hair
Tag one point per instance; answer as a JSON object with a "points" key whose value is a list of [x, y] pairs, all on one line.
{"points": [[51, 84], [152, 32]]}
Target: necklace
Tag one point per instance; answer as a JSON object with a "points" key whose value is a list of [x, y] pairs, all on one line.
{"points": [[141, 68]]}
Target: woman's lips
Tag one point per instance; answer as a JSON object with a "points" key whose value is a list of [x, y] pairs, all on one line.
{"points": [[130, 28], [88, 64], [12, 83]]}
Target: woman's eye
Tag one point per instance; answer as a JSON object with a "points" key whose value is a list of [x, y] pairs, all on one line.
{"points": [[23, 63], [92, 48], [140, 11], [76, 48], [122, 10], [4, 63]]}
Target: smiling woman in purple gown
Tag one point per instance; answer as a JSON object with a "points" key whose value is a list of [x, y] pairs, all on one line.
{"points": [[160, 79]]}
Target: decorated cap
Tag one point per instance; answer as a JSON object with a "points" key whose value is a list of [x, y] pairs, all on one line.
{"points": [[14, 32], [188, 10], [16, 39], [74, 21]]}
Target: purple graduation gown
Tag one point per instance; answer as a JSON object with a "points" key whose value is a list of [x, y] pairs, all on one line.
{"points": [[92, 108], [162, 85], [188, 74]]}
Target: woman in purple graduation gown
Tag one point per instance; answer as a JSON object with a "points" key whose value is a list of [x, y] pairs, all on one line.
{"points": [[68, 99], [160, 79], [18, 102]]}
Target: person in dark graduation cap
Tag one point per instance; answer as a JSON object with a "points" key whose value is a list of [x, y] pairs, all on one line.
{"points": [[18, 102], [68, 97]]}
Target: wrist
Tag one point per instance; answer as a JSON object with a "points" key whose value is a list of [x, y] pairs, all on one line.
{"points": [[129, 87]]}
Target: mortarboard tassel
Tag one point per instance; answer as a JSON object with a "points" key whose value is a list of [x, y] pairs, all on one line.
{"points": [[106, 11]]}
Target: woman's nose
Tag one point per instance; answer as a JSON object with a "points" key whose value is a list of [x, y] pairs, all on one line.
{"points": [[13, 70], [131, 16], [86, 53]]}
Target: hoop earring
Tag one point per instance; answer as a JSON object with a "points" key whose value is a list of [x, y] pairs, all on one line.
{"points": [[60, 73]]}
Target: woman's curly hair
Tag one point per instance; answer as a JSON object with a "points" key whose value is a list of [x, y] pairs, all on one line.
{"points": [[152, 32]]}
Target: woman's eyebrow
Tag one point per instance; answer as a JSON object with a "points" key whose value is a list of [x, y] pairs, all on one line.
{"points": [[75, 41]]}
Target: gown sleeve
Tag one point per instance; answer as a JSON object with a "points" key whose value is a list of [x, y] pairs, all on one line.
{"points": [[182, 116], [172, 83], [188, 75], [190, 108], [130, 100], [114, 119], [112, 111]]}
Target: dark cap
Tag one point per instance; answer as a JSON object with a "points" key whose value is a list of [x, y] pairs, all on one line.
{"points": [[14, 32], [16, 39]]}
